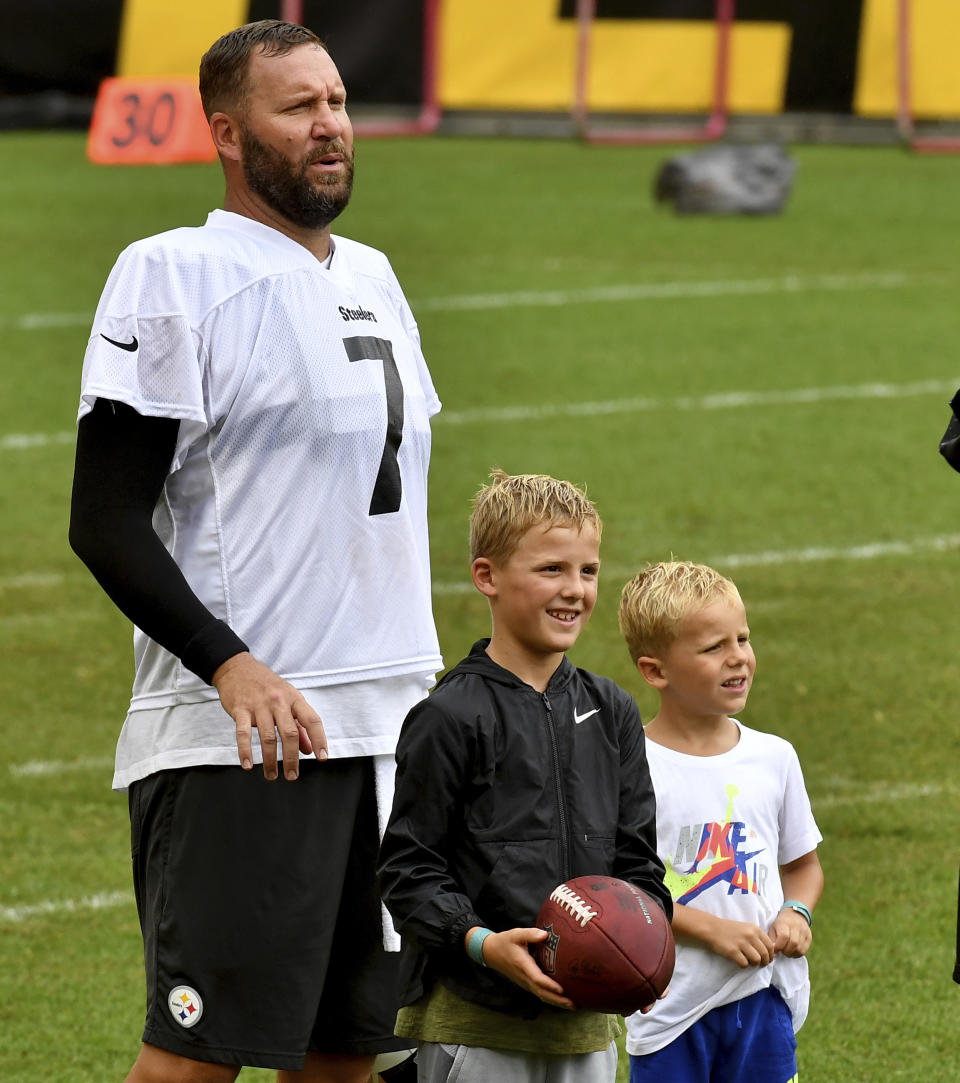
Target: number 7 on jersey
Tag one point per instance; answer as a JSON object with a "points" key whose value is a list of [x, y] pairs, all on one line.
{"points": [[387, 489]]}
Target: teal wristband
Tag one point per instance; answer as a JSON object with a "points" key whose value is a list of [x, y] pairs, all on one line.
{"points": [[475, 945], [801, 908]]}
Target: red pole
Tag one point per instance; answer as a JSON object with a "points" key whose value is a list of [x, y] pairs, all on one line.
{"points": [[904, 118], [430, 111], [586, 10], [717, 123], [291, 11]]}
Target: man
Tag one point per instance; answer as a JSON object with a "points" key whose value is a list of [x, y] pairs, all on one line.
{"points": [[250, 489]]}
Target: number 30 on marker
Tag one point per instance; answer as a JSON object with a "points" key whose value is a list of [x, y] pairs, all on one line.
{"points": [[144, 121]]}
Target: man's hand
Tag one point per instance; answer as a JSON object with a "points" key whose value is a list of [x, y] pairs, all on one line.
{"points": [[253, 695], [508, 954]]}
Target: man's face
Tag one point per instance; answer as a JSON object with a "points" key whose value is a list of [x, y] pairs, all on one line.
{"points": [[296, 138]]}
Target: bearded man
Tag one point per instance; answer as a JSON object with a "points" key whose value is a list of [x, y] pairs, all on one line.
{"points": [[251, 491]]}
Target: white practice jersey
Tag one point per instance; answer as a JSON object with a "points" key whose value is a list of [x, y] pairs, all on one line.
{"points": [[725, 825], [296, 505]]}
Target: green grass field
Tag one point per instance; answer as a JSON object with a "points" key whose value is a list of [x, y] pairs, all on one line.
{"points": [[766, 395]]}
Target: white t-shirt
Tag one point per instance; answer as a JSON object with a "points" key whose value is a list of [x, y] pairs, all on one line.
{"points": [[725, 825], [296, 505]]}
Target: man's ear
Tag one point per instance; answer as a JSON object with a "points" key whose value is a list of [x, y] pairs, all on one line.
{"points": [[651, 670], [225, 132], [483, 574]]}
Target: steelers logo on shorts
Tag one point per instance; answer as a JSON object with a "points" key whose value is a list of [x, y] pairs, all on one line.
{"points": [[185, 1005]]}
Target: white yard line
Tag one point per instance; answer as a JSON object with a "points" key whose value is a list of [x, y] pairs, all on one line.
{"points": [[39, 768], [875, 793], [662, 291], [56, 617], [25, 441], [723, 400], [727, 400], [47, 907], [42, 321], [630, 291], [30, 579], [881, 793], [938, 543]]}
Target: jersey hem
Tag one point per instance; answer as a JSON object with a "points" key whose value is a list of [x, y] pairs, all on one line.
{"points": [[341, 749], [175, 411], [322, 679]]}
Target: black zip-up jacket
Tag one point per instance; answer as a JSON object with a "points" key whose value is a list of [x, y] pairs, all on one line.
{"points": [[502, 793]]}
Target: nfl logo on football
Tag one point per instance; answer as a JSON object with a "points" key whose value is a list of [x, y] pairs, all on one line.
{"points": [[548, 951]]}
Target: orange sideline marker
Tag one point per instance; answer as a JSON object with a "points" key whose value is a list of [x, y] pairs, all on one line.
{"points": [[149, 121]]}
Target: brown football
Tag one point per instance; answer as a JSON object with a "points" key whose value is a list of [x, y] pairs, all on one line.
{"points": [[610, 945]]}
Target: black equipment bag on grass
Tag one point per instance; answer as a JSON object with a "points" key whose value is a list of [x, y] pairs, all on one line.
{"points": [[950, 441]]}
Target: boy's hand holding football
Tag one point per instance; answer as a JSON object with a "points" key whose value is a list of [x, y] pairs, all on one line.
{"points": [[508, 953]]}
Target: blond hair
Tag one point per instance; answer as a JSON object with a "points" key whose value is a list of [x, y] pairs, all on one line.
{"points": [[654, 602], [511, 504]]}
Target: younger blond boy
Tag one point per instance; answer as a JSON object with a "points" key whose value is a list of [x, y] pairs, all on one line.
{"points": [[736, 833], [518, 772]]}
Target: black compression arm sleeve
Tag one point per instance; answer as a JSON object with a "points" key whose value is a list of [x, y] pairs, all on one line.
{"points": [[122, 462]]}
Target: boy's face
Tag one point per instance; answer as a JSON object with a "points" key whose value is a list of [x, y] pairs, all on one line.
{"points": [[544, 592], [708, 669]]}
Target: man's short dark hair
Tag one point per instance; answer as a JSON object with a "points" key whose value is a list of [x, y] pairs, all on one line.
{"points": [[224, 66]]}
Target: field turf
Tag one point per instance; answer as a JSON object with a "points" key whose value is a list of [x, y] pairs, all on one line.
{"points": [[763, 394]]}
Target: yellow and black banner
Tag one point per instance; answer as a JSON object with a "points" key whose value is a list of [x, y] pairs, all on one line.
{"points": [[823, 56], [817, 56]]}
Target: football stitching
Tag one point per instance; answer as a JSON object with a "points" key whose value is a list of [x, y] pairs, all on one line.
{"points": [[570, 901]]}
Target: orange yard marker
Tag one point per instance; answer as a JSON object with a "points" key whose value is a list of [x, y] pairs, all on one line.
{"points": [[149, 121]]}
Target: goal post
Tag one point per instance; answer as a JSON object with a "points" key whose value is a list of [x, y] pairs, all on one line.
{"points": [[906, 118], [712, 128]]}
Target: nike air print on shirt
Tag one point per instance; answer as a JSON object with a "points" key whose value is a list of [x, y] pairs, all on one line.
{"points": [[719, 855], [725, 825]]}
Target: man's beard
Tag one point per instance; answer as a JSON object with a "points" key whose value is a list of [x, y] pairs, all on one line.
{"points": [[308, 202]]}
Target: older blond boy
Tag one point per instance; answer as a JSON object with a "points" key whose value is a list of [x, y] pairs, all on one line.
{"points": [[518, 772], [737, 836]]}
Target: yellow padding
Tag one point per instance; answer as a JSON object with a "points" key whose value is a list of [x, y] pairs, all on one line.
{"points": [[508, 55], [934, 33], [168, 37]]}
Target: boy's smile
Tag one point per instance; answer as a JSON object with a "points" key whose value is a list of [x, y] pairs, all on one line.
{"points": [[541, 597]]}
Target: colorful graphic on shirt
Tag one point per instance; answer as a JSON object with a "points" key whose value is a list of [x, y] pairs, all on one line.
{"points": [[722, 856]]}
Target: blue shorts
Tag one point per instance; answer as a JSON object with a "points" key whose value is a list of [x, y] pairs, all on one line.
{"points": [[748, 1041]]}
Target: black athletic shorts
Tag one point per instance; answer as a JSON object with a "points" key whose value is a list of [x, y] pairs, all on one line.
{"points": [[261, 924]]}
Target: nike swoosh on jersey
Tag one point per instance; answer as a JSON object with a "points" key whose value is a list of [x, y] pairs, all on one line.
{"points": [[578, 718], [129, 346]]}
